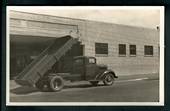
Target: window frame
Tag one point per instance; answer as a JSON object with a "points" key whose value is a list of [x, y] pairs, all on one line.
{"points": [[132, 55], [98, 45], [91, 58], [122, 55], [148, 55]]}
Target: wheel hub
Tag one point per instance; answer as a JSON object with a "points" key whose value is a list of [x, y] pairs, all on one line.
{"points": [[56, 84]]}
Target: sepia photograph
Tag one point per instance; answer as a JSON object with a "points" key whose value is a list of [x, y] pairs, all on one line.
{"points": [[85, 56]]}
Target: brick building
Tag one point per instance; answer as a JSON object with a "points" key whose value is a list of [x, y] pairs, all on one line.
{"points": [[125, 49]]}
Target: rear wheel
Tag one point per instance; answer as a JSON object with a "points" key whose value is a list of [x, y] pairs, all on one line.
{"points": [[94, 83], [56, 83], [108, 79]]}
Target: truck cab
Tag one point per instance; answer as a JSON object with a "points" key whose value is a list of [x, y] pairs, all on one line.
{"points": [[87, 67]]}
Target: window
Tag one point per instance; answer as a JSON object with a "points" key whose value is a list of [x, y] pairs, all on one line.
{"points": [[148, 50], [122, 49], [132, 49], [101, 48], [78, 61], [92, 61]]}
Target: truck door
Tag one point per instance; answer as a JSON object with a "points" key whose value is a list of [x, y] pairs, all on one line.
{"points": [[91, 68], [79, 69]]}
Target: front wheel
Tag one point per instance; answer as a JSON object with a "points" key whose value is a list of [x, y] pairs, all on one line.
{"points": [[56, 83], [108, 79]]}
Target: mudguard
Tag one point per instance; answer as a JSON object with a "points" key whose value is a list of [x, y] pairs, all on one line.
{"points": [[100, 76]]}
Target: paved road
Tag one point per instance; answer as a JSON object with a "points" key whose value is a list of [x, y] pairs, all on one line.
{"points": [[121, 91]]}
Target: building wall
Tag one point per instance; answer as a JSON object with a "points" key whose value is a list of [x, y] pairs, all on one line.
{"points": [[90, 32], [114, 34], [22, 23]]}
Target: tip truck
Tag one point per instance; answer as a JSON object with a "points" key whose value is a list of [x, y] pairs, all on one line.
{"points": [[40, 74]]}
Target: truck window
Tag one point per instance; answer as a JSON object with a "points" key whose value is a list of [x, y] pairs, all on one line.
{"points": [[79, 61], [92, 61]]}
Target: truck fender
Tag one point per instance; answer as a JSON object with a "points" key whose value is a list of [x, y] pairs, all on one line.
{"points": [[100, 76]]}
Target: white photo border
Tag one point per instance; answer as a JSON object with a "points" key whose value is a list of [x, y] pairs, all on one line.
{"points": [[161, 74]]}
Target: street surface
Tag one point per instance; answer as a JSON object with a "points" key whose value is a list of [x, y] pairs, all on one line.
{"points": [[122, 91]]}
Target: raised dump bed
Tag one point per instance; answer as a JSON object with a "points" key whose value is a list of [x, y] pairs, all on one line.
{"points": [[39, 66]]}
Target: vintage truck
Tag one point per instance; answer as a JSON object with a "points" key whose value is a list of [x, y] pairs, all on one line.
{"points": [[39, 72]]}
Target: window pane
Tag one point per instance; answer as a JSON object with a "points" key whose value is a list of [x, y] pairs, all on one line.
{"points": [[148, 50], [101, 48], [122, 49], [132, 49], [92, 60]]}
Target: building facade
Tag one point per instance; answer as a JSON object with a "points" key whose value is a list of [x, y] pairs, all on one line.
{"points": [[127, 50]]}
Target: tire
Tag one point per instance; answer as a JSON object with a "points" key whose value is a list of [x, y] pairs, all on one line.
{"points": [[94, 83], [56, 83], [108, 79]]}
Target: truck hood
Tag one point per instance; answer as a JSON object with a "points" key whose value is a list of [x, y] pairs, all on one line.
{"points": [[102, 66]]}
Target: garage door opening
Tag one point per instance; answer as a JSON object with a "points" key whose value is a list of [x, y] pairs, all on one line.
{"points": [[24, 49]]}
